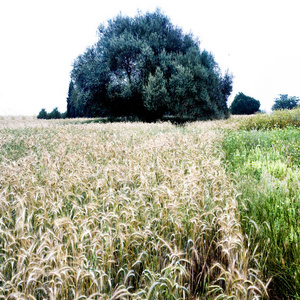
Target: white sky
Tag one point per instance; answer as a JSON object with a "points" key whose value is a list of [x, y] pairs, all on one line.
{"points": [[257, 40]]}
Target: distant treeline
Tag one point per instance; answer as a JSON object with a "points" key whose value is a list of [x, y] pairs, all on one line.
{"points": [[54, 114]]}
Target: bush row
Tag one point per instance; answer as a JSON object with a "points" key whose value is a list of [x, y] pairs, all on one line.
{"points": [[54, 114]]}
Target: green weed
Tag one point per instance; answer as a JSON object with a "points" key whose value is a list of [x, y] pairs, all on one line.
{"points": [[266, 168]]}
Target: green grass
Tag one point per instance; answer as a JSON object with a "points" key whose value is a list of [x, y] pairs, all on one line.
{"points": [[266, 168]]}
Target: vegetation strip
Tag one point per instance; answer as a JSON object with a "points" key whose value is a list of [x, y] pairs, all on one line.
{"points": [[265, 165]]}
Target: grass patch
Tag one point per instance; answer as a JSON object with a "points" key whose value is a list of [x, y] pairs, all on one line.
{"points": [[13, 149], [266, 169]]}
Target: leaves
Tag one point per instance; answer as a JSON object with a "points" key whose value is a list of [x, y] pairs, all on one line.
{"points": [[156, 94], [145, 67], [244, 105], [285, 102]]}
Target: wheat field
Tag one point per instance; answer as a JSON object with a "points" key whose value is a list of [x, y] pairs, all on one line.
{"points": [[120, 211]]}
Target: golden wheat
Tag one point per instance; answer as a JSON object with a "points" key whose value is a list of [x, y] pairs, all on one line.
{"points": [[119, 211]]}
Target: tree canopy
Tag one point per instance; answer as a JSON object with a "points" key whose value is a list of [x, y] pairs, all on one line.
{"points": [[42, 114], [244, 105], [285, 102], [147, 67], [54, 114]]}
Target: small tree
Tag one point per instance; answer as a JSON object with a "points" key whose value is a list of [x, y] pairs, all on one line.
{"points": [[285, 102], [55, 114], [244, 105], [43, 114], [72, 102]]}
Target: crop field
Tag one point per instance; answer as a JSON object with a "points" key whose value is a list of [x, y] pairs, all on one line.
{"points": [[209, 210]]}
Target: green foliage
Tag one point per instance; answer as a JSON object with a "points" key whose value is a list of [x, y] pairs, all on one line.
{"points": [[266, 165], [13, 149], [278, 119], [42, 114], [72, 102], [156, 95], [146, 67], [244, 105], [285, 102], [54, 114]]}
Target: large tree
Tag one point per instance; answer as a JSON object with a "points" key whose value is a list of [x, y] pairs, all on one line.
{"points": [[146, 67]]}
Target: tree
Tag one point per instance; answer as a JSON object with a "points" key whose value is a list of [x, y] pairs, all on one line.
{"points": [[244, 105], [285, 102], [54, 114], [42, 114], [145, 66], [71, 101]]}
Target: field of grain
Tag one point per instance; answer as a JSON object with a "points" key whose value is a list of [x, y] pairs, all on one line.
{"points": [[119, 211]]}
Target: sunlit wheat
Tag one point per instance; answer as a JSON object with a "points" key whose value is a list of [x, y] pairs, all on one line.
{"points": [[119, 211]]}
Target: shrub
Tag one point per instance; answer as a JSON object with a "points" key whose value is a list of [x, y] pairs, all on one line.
{"points": [[42, 114], [54, 114], [244, 105]]}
